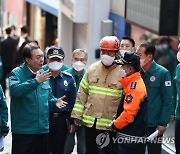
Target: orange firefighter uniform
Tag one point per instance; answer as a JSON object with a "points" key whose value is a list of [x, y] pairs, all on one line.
{"points": [[131, 114]]}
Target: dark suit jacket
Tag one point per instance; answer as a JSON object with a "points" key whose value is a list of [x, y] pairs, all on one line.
{"points": [[8, 52], [19, 56]]}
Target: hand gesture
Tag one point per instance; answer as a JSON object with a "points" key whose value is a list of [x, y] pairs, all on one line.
{"points": [[41, 77], [77, 122], [72, 129], [161, 129], [60, 103], [172, 119], [4, 134], [110, 126]]}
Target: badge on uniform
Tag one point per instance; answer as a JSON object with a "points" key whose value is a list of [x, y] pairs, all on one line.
{"points": [[55, 51], [152, 78], [167, 83], [74, 84], [133, 85], [65, 83], [129, 98]]}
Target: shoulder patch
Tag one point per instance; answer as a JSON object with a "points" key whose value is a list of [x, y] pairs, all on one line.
{"points": [[133, 85], [167, 83], [129, 98], [66, 73]]}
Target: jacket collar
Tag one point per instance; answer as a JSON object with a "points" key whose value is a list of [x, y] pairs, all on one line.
{"points": [[27, 71], [127, 80], [74, 73], [153, 67]]}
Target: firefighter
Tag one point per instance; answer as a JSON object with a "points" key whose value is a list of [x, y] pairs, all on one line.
{"points": [[98, 97], [131, 115]]}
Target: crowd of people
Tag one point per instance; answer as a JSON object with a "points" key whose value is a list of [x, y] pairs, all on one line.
{"points": [[130, 93]]}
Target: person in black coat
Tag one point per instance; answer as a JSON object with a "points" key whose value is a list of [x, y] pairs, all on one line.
{"points": [[8, 54], [23, 40]]}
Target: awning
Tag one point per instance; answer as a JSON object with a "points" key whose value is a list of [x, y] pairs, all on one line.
{"points": [[50, 6]]}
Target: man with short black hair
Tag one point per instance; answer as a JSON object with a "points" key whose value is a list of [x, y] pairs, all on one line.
{"points": [[126, 44], [159, 94], [23, 40], [31, 96]]}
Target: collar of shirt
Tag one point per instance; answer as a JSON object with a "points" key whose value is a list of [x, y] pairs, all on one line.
{"points": [[32, 71], [28, 71]]}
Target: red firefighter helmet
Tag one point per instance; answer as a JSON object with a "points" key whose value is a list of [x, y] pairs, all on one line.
{"points": [[110, 43]]}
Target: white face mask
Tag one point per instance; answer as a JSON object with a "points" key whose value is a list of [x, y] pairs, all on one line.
{"points": [[78, 66], [143, 62], [122, 52], [178, 56], [122, 72], [55, 66], [107, 60]]}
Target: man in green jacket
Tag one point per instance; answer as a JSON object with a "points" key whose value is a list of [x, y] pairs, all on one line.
{"points": [[176, 103], [31, 96], [159, 94], [4, 129], [79, 61]]}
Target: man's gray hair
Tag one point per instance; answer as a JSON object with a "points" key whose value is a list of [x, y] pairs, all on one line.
{"points": [[80, 50]]}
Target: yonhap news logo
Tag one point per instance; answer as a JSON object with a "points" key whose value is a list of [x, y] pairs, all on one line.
{"points": [[103, 139]]}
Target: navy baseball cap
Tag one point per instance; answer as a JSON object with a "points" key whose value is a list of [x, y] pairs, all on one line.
{"points": [[55, 52], [130, 58]]}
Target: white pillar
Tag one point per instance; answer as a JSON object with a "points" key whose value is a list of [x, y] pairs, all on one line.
{"points": [[98, 11], [66, 36]]}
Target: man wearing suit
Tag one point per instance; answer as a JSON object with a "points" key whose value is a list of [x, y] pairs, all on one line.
{"points": [[8, 53]]}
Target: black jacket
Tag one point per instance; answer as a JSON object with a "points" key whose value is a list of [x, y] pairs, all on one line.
{"points": [[8, 52]]}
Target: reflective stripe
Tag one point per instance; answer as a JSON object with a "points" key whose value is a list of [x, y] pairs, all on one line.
{"points": [[105, 91], [88, 119], [103, 122], [100, 121], [84, 84], [100, 90], [78, 107]]}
